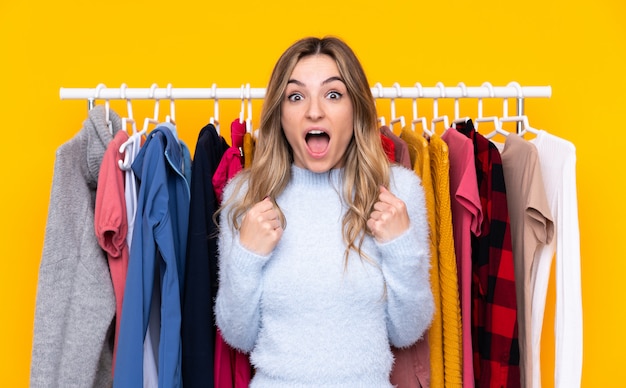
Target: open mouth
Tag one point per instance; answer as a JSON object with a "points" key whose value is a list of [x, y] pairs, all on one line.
{"points": [[317, 141]]}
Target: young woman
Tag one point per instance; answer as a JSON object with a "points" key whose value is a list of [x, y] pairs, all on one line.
{"points": [[323, 244]]}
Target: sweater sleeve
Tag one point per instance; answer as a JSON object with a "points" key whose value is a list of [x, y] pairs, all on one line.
{"points": [[237, 306], [406, 266]]}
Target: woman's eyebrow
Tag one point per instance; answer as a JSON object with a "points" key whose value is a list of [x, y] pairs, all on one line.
{"points": [[326, 81]]}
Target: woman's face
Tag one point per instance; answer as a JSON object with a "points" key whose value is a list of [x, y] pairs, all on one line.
{"points": [[316, 114]]}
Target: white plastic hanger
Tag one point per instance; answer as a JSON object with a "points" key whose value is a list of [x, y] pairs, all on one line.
{"points": [[457, 119], [243, 105], [416, 119], [107, 108], [525, 125], [171, 118], [129, 111], [249, 118], [493, 119], [155, 119], [216, 110], [379, 88], [436, 118], [519, 118], [393, 120], [125, 164]]}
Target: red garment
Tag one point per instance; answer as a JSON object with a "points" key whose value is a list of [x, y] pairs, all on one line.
{"points": [[389, 147], [232, 368], [494, 302], [401, 149], [111, 223], [232, 160]]}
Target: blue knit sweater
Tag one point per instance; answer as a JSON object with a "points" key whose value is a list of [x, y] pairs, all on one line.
{"points": [[306, 319]]}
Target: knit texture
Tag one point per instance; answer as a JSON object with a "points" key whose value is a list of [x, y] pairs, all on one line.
{"points": [[448, 274], [422, 167], [307, 320], [75, 304]]}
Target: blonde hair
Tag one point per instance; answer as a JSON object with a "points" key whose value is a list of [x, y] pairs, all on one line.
{"points": [[365, 163]]}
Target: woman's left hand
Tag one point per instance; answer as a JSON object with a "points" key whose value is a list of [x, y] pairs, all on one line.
{"points": [[389, 219]]}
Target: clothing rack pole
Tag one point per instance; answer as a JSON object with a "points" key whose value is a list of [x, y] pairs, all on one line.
{"points": [[104, 93]]}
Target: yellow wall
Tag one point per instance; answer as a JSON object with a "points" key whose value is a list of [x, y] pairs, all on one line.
{"points": [[577, 48]]}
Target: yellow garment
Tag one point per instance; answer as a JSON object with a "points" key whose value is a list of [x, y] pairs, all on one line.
{"points": [[422, 166], [248, 149], [448, 276]]}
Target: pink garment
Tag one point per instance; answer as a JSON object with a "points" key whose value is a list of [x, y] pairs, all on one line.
{"points": [[111, 223], [411, 368], [232, 368], [467, 218], [232, 160]]}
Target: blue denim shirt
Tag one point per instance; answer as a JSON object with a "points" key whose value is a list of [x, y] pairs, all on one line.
{"points": [[163, 169]]}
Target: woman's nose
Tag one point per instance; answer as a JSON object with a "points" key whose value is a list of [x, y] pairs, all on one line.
{"points": [[314, 110]]}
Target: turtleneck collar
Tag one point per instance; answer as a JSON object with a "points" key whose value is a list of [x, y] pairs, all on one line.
{"points": [[304, 176], [98, 136]]}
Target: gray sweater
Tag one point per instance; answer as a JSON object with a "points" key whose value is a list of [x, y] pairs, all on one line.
{"points": [[75, 304], [306, 321]]}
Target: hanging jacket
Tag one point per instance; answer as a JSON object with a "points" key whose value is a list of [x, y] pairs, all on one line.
{"points": [[198, 321], [232, 367], [75, 304], [159, 243]]}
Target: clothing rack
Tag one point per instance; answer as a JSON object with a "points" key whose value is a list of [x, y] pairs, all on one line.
{"points": [[245, 92]]}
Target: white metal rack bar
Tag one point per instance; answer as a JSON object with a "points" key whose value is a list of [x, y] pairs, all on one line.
{"points": [[440, 91]]}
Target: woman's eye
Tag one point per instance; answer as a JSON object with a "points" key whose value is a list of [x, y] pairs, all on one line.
{"points": [[334, 95], [294, 97]]}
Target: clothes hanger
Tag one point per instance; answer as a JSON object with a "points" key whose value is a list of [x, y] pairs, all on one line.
{"points": [[129, 111], [249, 118], [526, 128], [493, 119], [243, 105], [155, 119], [436, 118], [416, 119], [393, 120], [171, 118], [107, 108], [522, 119], [249, 128], [379, 88], [125, 164], [457, 119], [216, 109]]}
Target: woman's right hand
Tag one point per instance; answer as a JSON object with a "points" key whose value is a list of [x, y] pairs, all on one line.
{"points": [[261, 228]]}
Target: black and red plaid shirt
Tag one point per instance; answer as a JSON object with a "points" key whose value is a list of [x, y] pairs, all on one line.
{"points": [[494, 307]]}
